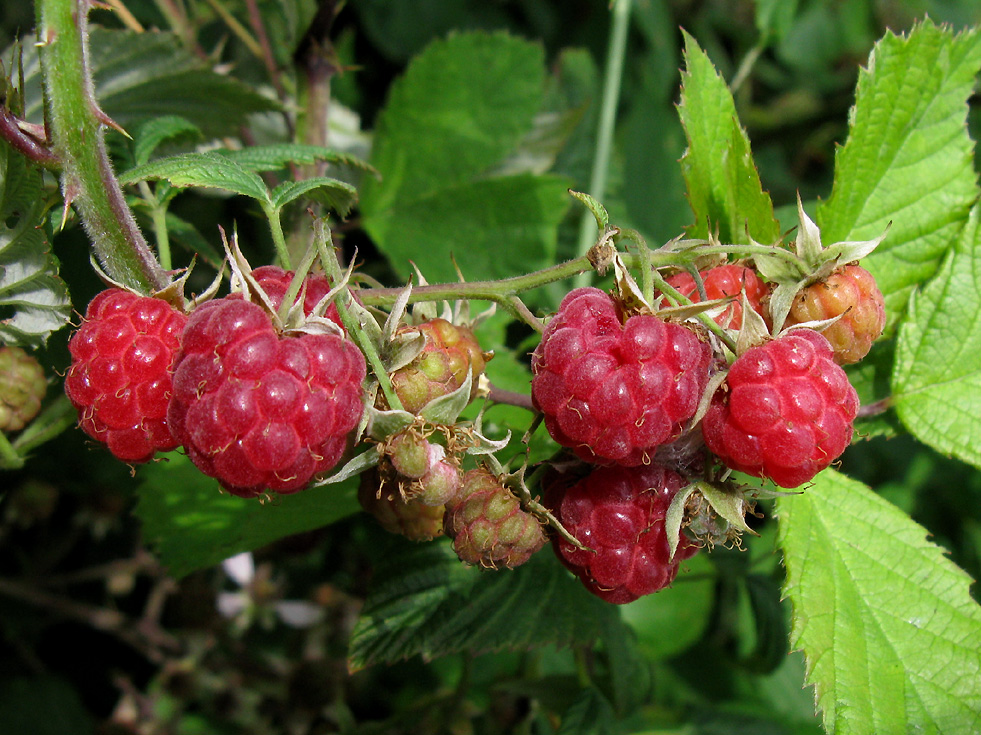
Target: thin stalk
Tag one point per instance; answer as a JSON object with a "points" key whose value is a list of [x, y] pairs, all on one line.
{"points": [[9, 458], [76, 125], [237, 28], [54, 419], [158, 214], [608, 115], [497, 291], [354, 329], [279, 238], [128, 19], [255, 20], [747, 64]]}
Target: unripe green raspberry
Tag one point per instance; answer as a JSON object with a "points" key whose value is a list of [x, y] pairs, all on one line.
{"points": [[488, 526], [449, 353], [22, 387], [409, 454], [441, 485], [412, 519]]}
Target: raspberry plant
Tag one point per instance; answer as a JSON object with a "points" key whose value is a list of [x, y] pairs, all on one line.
{"points": [[368, 330]]}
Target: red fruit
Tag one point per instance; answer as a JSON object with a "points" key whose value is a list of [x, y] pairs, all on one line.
{"points": [[120, 376], [787, 412], [614, 392], [618, 513], [851, 291], [488, 526], [449, 353], [722, 281], [275, 282], [259, 410]]}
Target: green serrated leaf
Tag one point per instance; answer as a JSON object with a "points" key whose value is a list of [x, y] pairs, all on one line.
{"points": [[33, 298], [908, 157], [423, 600], [274, 157], [208, 170], [141, 76], [192, 524], [492, 228], [936, 381], [462, 106], [337, 195], [154, 132], [724, 187], [887, 623], [590, 713]]}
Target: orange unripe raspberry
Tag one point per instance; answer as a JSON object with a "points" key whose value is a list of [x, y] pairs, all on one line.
{"points": [[449, 353], [852, 292]]}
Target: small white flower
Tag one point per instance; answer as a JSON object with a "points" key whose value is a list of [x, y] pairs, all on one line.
{"points": [[256, 597]]}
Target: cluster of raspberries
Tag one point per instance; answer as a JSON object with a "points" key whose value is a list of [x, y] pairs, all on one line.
{"points": [[262, 410], [254, 408], [621, 391]]}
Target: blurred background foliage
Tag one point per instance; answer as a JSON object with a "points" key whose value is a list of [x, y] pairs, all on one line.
{"points": [[97, 637]]}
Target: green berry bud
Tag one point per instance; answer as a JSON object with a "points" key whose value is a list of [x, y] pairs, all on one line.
{"points": [[22, 387]]}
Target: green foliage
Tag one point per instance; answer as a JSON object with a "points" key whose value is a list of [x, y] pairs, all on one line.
{"points": [[143, 76], [193, 525], [424, 602], [888, 626], [42, 706], [935, 382], [908, 158], [33, 298], [214, 170], [462, 107], [475, 144], [723, 185]]}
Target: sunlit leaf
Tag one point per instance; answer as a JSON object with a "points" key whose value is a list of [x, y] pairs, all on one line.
{"points": [[887, 623]]}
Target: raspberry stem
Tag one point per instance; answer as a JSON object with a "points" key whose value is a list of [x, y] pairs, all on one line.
{"points": [[76, 125], [325, 244]]}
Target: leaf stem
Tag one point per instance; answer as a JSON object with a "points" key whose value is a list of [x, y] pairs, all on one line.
{"points": [[279, 238], [608, 114], [76, 125], [354, 329]]}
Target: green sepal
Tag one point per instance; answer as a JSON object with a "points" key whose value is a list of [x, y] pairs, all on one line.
{"points": [[446, 409]]}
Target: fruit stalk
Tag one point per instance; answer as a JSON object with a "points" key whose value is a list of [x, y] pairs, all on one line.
{"points": [[75, 123]]}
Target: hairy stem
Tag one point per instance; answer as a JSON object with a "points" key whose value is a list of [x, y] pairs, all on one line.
{"points": [[608, 115], [76, 125]]}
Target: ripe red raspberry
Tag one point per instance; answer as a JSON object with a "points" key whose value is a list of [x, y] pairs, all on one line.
{"points": [[851, 291], [618, 513], [413, 519], [275, 282], [787, 412], [22, 387], [259, 410], [722, 281], [120, 376], [614, 392], [488, 526], [449, 353]]}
